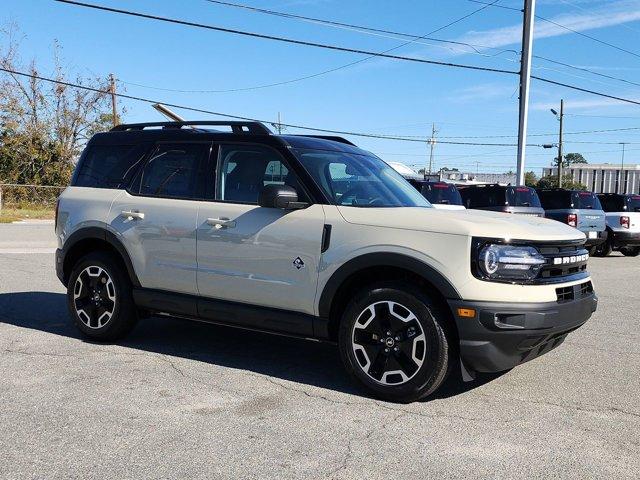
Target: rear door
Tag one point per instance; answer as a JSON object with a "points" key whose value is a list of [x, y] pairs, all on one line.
{"points": [[156, 218], [261, 256]]}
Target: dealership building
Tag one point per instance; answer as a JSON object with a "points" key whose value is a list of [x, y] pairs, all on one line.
{"points": [[603, 177]]}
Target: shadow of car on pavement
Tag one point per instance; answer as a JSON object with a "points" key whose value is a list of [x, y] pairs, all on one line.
{"points": [[287, 358]]}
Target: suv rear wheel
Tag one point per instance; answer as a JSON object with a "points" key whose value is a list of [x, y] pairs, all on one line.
{"points": [[630, 251], [392, 340], [99, 297]]}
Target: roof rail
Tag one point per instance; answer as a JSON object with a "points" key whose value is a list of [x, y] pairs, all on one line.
{"points": [[236, 126], [328, 137]]}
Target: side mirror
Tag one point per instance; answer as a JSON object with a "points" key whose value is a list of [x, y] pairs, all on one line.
{"points": [[280, 196]]}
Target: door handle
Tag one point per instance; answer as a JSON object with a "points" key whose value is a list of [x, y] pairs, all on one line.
{"points": [[221, 222], [131, 215]]}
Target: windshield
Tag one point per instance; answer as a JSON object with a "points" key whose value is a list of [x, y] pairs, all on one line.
{"points": [[359, 180], [633, 203], [522, 197], [586, 200], [441, 193]]}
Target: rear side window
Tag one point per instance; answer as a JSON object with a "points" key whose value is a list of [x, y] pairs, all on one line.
{"points": [[586, 200], [175, 171], [522, 197], [555, 200], [612, 203], [109, 166], [633, 203], [441, 194], [482, 197]]}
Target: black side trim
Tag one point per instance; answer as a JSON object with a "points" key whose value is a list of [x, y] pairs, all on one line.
{"points": [[226, 313], [326, 238], [383, 259], [98, 233]]}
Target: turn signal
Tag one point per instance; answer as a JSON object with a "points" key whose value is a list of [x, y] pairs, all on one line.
{"points": [[466, 312]]}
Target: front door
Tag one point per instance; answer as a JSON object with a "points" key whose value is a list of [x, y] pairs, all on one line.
{"points": [[157, 219], [261, 256]]}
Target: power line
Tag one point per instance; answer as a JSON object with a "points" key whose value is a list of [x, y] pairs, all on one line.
{"points": [[600, 116], [324, 72], [578, 7], [338, 48], [239, 117], [539, 17], [285, 39], [585, 90], [365, 29]]}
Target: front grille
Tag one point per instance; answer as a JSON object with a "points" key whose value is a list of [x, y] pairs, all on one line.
{"points": [[566, 294], [563, 261]]}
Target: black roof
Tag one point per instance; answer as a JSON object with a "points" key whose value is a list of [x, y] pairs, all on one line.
{"points": [[241, 131]]}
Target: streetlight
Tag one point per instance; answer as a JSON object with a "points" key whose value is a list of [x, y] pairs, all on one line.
{"points": [[560, 118]]}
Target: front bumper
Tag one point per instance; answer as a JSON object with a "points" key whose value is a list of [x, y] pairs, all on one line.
{"points": [[621, 239], [503, 335], [593, 242]]}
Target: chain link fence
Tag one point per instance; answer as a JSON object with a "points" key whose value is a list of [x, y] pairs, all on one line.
{"points": [[24, 197]]}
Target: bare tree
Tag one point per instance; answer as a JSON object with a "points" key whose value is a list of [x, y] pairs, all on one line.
{"points": [[44, 125]]}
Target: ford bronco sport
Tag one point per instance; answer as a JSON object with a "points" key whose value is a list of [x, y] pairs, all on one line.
{"points": [[623, 224], [579, 209], [316, 238], [500, 198]]}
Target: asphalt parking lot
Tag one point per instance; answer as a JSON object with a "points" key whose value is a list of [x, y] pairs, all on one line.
{"points": [[180, 399]]}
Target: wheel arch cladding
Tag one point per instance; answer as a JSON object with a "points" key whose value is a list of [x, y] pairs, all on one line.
{"points": [[92, 239], [372, 268]]}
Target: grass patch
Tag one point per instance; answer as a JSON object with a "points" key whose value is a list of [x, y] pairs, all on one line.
{"points": [[9, 214]]}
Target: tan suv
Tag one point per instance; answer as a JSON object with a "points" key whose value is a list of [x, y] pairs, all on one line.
{"points": [[316, 238]]}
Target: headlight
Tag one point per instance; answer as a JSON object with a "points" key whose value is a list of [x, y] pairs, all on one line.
{"points": [[509, 262]]}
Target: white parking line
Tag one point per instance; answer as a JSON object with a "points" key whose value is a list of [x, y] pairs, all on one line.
{"points": [[26, 251]]}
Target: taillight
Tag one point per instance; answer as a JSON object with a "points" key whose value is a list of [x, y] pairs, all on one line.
{"points": [[624, 222], [572, 220]]}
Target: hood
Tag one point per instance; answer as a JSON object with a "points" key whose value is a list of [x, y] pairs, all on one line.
{"points": [[471, 223]]}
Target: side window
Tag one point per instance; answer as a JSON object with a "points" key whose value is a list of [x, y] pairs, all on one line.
{"points": [[244, 169], [109, 166], [175, 171]]}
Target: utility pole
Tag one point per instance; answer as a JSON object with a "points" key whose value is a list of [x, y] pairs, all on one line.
{"points": [[561, 118], [279, 125], [624, 179], [432, 142], [112, 89], [525, 80]]}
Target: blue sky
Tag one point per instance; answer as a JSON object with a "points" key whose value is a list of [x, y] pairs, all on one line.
{"points": [[378, 95]]}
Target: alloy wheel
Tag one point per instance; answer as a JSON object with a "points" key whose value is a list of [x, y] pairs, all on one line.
{"points": [[94, 297], [388, 343]]}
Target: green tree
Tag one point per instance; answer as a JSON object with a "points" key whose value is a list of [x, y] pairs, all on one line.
{"points": [[551, 181], [573, 158], [530, 179]]}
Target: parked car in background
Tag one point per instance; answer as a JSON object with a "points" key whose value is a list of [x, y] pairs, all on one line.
{"points": [[623, 224], [500, 198], [579, 209], [441, 195], [406, 171]]}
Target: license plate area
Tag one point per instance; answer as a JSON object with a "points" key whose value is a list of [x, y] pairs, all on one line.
{"points": [[593, 234]]}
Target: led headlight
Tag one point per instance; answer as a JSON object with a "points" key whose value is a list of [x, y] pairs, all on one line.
{"points": [[510, 262]]}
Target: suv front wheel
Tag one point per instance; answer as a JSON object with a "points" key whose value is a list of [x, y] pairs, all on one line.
{"points": [[392, 340], [99, 297]]}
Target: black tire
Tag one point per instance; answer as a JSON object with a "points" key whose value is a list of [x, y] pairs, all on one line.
{"points": [[630, 251], [381, 375], [604, 249], [101, 303], [592, 251]]}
